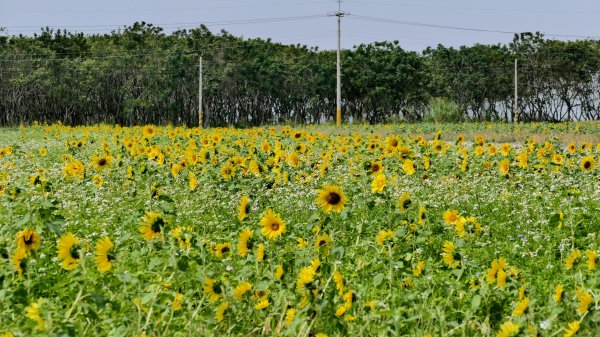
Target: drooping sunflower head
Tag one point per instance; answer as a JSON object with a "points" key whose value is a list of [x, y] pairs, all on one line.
{"points": [[422, 215], [28, 240], [69, 251], [404, 202], [152, 226], [104, 255], [331, 198], [243, 208], [273, 225], [18, 261], [450, 256]]}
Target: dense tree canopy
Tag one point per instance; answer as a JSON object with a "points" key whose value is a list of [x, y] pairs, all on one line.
{"points": [[142, 75]]}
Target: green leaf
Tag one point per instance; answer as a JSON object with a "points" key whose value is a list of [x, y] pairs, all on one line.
{"points": [[378, 279], [476, 302]]}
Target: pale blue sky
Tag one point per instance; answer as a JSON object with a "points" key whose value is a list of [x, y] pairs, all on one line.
{"points": [[574, 17]]}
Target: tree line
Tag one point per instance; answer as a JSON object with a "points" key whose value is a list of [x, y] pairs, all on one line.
{"points": [[141, 75]]}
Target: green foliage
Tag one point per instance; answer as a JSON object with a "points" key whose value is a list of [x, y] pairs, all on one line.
{"points": [[141, 75], [443, 111]]}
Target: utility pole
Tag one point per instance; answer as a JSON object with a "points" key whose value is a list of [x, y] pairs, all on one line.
{"points": [[200, 92], [516, 106], [338, 109]]}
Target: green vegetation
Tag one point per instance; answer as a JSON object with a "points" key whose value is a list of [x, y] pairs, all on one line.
{"points": [[141, 75], [402, 230]]}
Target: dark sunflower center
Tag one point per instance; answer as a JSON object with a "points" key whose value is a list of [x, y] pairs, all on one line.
{"points": [[587, 164], [375, 168], [224, 250], [28, 240], [246, 208], [110, 257], [74, 252], [333, 198], [394, 142], [102, 162], [157, 225], [217, 288], [406, 203], [275, 226], [322, 242]]}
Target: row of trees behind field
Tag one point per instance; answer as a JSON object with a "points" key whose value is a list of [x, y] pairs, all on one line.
{"points": [[141, 75]]}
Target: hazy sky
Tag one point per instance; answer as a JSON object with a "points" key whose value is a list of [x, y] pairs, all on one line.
{"points": [[553, 17]]}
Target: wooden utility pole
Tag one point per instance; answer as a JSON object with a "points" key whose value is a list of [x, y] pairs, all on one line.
{"points": [[200, 92]]}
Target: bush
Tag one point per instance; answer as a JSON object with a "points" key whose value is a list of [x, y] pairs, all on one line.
{"points": [[443, 111]]}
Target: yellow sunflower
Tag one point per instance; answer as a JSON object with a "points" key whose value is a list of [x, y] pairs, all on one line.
{"points": [[508, 329], [152, 226], [571, 329], [404, 202], [74, 169], [408, 167], [450, 257], [331, 198], [376, 168], [273, 225], [28, 240], [227, 171], [150, 131], [184, 235], [101, 162], [104, 255], [587, 164], [212, 288], [243, 208], [422, 215], [242, 289], [244, 243], [222, 249], [504, 167], [451, 216], [18, 261], [378, 183], [69, 251], [33, 313]]}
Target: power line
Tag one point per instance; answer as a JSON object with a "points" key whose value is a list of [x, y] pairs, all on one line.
{"points": [[181, 24], [428, 25]]}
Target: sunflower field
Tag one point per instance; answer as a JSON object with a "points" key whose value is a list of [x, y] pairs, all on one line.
{"points": [[389, 230]]}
